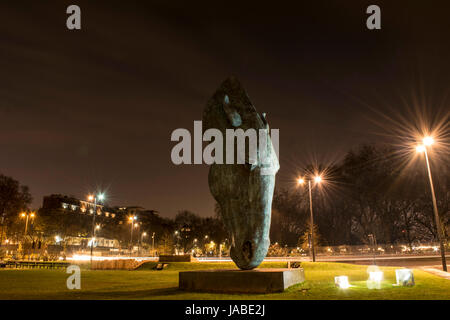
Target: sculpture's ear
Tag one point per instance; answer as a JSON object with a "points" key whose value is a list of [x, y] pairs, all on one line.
{"points": [[232, 114]]}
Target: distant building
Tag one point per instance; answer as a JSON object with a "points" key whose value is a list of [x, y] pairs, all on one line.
{"points": [[99, 242], [132, 210], [73, 205]]}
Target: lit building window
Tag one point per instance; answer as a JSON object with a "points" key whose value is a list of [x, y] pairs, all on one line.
{"points": [[65, 205], [73, 207]]}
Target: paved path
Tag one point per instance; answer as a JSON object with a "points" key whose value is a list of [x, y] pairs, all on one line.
{"points": [[436, 272]]}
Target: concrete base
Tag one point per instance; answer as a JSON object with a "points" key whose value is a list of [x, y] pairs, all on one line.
{"points": [[240, 281], [175, 258]]}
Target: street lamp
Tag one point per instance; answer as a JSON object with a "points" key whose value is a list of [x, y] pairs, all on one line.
{"points": [[141, 240], [301, 181], [131, 219], [25, 215], [153, 244], [94, 198], [428, 141]]}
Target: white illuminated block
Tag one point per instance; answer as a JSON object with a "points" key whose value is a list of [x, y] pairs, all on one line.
{"points": [[341, 282], [374, 281], [376, 276], [405, 277]]}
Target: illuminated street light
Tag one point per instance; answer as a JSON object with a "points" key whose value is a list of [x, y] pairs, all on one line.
{"points": [[141, 239], [27, 216], [153, 243], [94, 198], [420, 148], [428, 141], [301, 181], [131, 219]]}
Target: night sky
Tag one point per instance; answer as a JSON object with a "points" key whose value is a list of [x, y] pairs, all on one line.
{"points": [[95, 108]]}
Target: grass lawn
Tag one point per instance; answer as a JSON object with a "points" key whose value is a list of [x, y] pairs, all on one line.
{"points": [[149, 284]]}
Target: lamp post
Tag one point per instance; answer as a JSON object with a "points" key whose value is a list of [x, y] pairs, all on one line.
{"points": [[131, 219], [428, 141], [26, 216], [144, 234], [2, 226], [301, 181], [94, 198], [374, 245], [176, 235], [153, 244]]}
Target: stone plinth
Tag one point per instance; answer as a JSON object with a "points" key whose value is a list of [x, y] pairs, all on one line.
{"points": [[175, 258], [240, 281]]}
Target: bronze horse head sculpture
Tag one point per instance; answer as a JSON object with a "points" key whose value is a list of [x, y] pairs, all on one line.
{"points": [[243, 191]]}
